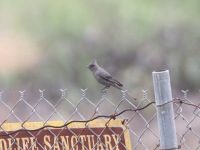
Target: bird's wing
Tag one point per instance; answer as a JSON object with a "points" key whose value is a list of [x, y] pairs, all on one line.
{"points": [[106, 76]]}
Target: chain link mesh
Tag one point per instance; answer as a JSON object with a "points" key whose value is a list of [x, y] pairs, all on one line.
{"points": [[141, 124], [187, 122]]}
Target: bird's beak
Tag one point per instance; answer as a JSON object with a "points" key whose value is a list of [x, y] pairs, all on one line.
{"points": [[87, 66]]}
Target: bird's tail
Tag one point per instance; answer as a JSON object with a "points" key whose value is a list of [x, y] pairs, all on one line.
{"points": [[118, 85]]}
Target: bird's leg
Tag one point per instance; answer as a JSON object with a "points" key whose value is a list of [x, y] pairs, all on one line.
{"points": [[104, 89]]}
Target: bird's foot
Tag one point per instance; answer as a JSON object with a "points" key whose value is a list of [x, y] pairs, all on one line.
{"points": [[104, 89]]}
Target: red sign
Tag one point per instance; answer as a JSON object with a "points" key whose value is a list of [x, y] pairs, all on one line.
{"points": [[90, 138]]}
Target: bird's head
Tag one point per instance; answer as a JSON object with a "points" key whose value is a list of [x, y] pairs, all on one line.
{"points": [[93, 65]]}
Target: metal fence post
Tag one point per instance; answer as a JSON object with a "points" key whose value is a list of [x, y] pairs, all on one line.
{"points": [[165, 112]]}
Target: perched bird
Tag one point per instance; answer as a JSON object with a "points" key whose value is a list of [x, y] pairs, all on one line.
{"points": [[103, 77]]}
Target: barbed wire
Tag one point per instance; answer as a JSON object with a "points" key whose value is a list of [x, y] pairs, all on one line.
{"points": [[181, 101], [113, 116], [110, 117], [136, 115]]}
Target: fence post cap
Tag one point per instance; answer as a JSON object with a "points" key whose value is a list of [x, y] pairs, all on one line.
{"points": [[160, 71]]}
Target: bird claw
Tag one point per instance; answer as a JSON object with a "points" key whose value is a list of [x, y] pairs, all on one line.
{"points": [[104, 90]]}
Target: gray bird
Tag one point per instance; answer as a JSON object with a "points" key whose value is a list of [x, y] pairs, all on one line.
{"points": [[103, 77]]}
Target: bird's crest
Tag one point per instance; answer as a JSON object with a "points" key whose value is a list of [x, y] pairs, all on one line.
{"points": [[92, 65], [94, 61]]}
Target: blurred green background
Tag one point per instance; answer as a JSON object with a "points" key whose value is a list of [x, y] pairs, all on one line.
{"points": [[48, 44]]}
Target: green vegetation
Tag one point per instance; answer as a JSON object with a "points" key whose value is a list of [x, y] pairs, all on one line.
{"points": [[130, 38]]}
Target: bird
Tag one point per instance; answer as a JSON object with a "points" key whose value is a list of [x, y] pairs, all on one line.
{"points": [[103, 77]]}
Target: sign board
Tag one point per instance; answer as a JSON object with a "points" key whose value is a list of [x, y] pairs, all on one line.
{"points": [[76, 136]]}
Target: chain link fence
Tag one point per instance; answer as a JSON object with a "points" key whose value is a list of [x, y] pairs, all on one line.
{"points": [[138, 118], [187, 119]]}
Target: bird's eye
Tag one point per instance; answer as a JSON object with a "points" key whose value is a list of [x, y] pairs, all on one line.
{"points": [[92, 65]]}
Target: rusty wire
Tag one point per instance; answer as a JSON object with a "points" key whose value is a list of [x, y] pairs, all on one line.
{"points": [[136, 108]]}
